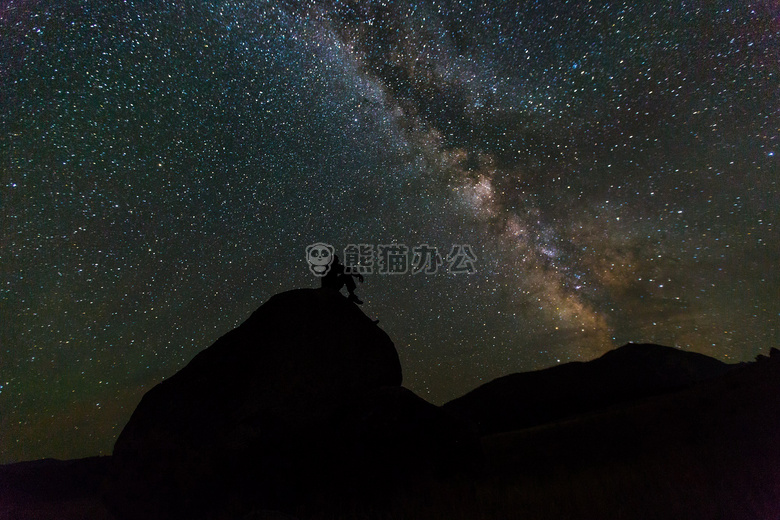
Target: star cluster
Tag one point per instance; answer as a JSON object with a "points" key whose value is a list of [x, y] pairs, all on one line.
{"points": [[614, 166]]}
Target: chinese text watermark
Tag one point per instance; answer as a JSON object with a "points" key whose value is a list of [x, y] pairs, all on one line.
{"points": [[392, 259]]}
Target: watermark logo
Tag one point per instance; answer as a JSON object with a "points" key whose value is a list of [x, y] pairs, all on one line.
{"points": [[392, 259], [320, 257], [461, 259], [426, 259], [359, 258]]}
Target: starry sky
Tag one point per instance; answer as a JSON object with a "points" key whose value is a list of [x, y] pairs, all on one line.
{"points": [[613, 165]]}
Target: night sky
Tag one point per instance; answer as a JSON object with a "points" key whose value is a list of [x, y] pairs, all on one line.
{"points": [[613, 165]]}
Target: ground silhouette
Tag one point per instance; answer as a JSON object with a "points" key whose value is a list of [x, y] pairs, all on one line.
{"points": [[304, 396], [299, 413]]}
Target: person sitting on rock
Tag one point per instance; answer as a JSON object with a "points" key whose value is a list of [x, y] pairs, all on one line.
{"points": [[337, 277]]}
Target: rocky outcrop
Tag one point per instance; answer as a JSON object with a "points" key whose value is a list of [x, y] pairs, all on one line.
{"points": [[302, 398]]}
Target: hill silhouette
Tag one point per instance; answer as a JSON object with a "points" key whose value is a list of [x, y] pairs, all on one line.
{"points": [[631, 372], [304, 396], [706, 451], [299, 413]]}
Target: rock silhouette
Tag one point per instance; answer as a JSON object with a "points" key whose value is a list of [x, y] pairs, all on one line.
{"points": [[631, 372], [302, 398], [703, 445]]}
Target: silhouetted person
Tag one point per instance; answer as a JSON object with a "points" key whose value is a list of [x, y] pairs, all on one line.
{"points": [[337, 278]]}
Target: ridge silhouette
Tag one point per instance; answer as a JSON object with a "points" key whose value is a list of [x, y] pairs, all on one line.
{"points": [[299, 413], [631, 372]]}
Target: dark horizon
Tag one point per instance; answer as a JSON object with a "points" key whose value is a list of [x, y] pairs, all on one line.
{"points": [[301, 413]]}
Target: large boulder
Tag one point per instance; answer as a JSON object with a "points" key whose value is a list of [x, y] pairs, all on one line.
{"points": [[260, 397], [300, 401]]}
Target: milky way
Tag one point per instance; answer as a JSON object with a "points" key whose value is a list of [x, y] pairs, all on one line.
{"points": [[613, 166]]}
